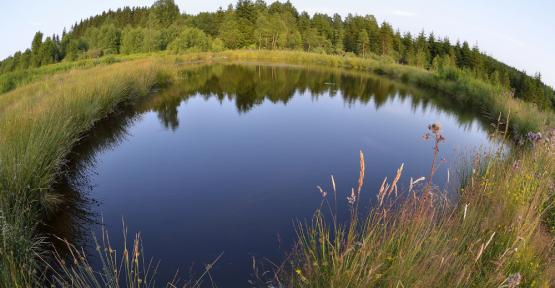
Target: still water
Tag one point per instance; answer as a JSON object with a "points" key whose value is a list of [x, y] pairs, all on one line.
{"points": [[228, 158]]}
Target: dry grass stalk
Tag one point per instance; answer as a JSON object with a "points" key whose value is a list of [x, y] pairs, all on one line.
{"points": [[355, 194], [386, 189], [361, 173], [412, 183], [483, 247]]}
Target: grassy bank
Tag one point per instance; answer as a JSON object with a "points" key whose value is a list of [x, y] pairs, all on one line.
{"points": [[39, 124], [461, 88], [47, 111], [11, 80], [493, 236]]}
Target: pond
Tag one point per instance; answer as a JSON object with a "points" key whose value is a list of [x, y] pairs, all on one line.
{"points": [[228, 159]]}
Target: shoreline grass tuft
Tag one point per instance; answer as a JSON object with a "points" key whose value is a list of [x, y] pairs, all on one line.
{"points": [[491, 236], [39, 125]]}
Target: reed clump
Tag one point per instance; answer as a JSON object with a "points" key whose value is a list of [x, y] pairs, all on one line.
{"points": [[126, 268], [39, 124], [491, 235]]}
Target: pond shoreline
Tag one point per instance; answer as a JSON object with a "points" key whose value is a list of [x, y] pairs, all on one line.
{"points": [[29, 196]]}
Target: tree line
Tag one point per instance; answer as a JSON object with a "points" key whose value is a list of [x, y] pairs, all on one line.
{"points": [[257, 25]]}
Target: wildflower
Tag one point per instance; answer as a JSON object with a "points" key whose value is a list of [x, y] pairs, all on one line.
{"points": [[434, 127], [514, 280], [300, 273], [534, 137]]}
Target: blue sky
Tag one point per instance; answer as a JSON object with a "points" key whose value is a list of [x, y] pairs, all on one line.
{"points": [[519, 33]]}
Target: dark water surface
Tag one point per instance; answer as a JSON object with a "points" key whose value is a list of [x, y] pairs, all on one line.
{"points": [[225, 160]]}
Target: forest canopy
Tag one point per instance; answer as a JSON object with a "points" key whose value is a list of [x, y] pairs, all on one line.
{"points": [[258, 25]]}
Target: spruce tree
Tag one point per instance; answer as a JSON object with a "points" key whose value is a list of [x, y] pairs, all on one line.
{"points": [[363, 43]]}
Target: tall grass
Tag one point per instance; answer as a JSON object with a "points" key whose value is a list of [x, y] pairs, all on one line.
{"points": [[491, 236], [14, 79], [126, 268], [39, 124]]}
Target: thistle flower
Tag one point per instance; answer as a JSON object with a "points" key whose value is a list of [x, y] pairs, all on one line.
{"points": [[534, 137], [435, 127], [514, 280]]}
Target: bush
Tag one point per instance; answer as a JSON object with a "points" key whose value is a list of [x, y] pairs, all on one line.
{"points": [[190, 39], [217, 45], [94, 53]]}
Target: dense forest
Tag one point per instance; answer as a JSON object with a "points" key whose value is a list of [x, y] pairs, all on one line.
{"points": [[257, 25]]}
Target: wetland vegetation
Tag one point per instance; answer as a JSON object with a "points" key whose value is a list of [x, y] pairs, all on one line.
{"points": [[495, 229]]}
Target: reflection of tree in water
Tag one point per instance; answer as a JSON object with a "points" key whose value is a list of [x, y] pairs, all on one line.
{"points": [[167, 113], [74, 221], [251, 85], [246, 85]]}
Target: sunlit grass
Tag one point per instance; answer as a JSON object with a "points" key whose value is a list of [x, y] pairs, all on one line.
{"points": [[39, 124], [492, 233], [490, 236], [127, 267]]}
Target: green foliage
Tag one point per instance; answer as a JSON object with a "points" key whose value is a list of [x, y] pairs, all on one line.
{"points": [[363, 43], [386, 39], [111, 39], [254, 24], [217, 45], [271, 32], [163, 13], [152, 40], [230, 33], [35, 49], [191, 39], [107, 39], [133, 40]]}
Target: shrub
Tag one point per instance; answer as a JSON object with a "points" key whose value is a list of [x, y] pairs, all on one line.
{"points": [[190, 39]]}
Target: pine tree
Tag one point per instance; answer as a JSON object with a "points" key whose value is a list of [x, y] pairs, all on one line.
{"points": [[338, 34], [363, 43], [386, 39], [164, 12], [35, 49], [230, 33]]}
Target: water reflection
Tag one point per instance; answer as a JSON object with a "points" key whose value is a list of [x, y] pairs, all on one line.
{"points": [[73, 220], [250, 85], [228, 156]]}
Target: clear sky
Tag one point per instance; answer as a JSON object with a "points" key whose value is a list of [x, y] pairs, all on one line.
{"points": [[519, 33]]}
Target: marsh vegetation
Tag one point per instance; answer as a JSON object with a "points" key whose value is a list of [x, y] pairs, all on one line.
{"points": [[494, 226]]}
